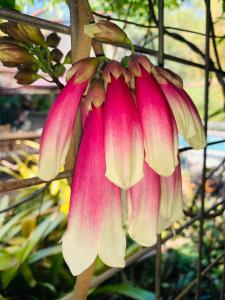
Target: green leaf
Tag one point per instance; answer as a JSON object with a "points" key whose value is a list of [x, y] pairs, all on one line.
{"points": [[44, 253], [41, 231], [7, 261], [28, 275], [48, 286], [7, 4], [6, 227], [126, 290], [36, 236]]}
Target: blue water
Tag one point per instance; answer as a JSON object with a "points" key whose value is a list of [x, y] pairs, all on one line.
{"points": [[211, 138]]}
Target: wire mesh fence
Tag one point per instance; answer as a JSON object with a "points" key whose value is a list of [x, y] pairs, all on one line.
{"points": [[203, 214]]}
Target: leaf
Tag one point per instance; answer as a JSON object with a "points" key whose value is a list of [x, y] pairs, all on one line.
{"points": [[28, 275], [7, 261], [126, 290], [7, 4], [58, 219], [6, 227], [48, 286], [37, 235], [8, 275], [4, 202], [44, 253]]}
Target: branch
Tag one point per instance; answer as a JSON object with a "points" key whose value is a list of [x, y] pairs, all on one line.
{"points": [[15, 16]]}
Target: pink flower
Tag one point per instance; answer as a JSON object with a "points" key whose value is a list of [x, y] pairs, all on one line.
{"points": [[95, 221], [185, 113], [171, 202], [57, 132], [158, 124], [124, 153], [143, 207]]}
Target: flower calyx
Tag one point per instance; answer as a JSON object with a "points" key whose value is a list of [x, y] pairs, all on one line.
{"points": [[136, 62], [115, 69]]}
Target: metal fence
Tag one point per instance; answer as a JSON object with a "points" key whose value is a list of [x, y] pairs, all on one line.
{"points": [[203, 214]]}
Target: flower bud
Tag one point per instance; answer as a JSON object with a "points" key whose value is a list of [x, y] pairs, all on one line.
{"points": [[53, 40], [115, 69], [56, 55], [84, 69], [13, 31], [8, 39], [28, 67], [26, 77], [14, 54], [31, 33], [138, 61], [59, 69], [106, 31], [68, 59], [96, 94]]}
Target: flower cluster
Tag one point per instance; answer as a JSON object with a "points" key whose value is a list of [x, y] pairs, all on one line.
{"points": [[25, 47], [131, 119]]}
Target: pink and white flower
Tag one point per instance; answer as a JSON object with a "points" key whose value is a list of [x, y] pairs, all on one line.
{"points": [[185, 113], [57, 132], [171, 202], [95, 221], [124, 152], [143, 208], [158, 124]]}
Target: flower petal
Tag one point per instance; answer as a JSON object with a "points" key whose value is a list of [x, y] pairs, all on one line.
{"points": [[57, 132], [95, 221], [144, 201], [124, 150], [186, 115], [197, 140], [159, 127], [171, 204]]}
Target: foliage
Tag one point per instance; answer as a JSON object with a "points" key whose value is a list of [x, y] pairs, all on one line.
{"points": [[24, 46], [7, 3]]}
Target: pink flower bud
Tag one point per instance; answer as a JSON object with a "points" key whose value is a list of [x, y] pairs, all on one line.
{"points": [[96, 94], [106, 31], [115, 69]]}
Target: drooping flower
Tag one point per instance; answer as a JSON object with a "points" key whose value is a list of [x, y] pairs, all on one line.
{"points": [[124, 153], [171, 202], [95, 221], [159, 127], [143, 205], [57, 132], [186, 115]]}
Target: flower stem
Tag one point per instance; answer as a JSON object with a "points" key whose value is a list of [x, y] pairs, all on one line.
{"points": [[132, 48], [83, 283]]}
